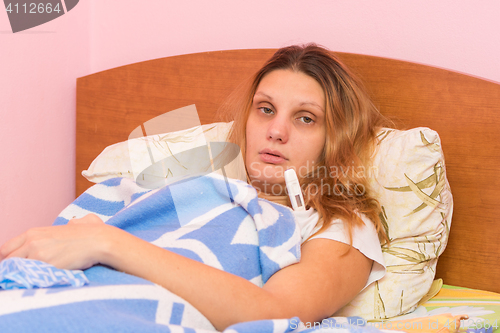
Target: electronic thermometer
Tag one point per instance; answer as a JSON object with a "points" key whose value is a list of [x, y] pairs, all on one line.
{"points": [[294, 191]]}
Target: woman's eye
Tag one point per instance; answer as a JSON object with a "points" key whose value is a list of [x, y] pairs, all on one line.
{"points": [[306, 120], [266, 110]]}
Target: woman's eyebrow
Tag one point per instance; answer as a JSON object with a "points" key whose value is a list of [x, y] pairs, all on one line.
{"points": [[306, 103], [263, 95], [313, 104]]}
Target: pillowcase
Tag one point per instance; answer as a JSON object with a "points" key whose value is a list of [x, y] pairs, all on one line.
{"points": [[176, 151], [407, 177], [409, 181]]}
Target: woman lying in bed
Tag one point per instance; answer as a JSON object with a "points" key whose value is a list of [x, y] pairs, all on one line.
{"points": [[304, 111]]}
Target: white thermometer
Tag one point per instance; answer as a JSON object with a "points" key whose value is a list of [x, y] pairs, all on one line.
{"points": [[294, 191]]}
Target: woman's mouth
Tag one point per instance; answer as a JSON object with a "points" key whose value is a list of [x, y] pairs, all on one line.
{"points": [[272, 156]]}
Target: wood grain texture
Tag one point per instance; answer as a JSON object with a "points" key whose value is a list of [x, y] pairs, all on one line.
{"points": [[464, 110]]}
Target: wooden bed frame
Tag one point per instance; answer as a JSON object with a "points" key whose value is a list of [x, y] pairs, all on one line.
{"points": [[464, 110]]}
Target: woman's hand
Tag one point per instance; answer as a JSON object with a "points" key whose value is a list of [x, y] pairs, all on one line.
{"points": [[76, 245]]}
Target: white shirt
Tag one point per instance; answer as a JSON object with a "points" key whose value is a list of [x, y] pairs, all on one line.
{"points": [[364, 238]]}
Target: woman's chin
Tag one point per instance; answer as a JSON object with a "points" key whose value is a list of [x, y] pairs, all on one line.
{"points": [[269, 186]]}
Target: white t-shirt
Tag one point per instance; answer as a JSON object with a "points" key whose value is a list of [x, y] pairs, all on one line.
{"points": [[364, 238]]}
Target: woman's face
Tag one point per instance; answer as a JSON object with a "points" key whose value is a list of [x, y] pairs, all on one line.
{"points": [[285, 129]]}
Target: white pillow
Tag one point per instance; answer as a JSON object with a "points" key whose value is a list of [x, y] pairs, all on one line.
{"points": [[130, 158], [410, 183]]}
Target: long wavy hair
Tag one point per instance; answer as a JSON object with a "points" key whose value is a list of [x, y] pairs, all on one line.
{"points": [[337, 186]]}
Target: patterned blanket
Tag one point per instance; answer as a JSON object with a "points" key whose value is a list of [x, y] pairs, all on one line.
{"points": [[219, 222]]}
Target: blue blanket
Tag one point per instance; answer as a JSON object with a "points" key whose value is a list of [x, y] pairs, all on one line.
{"points": [[218, 222]]}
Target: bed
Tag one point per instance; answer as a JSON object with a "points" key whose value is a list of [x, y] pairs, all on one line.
{"points": [[464, 110]]}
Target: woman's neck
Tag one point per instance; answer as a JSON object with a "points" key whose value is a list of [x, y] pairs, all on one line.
{"points": [[279, 199]]}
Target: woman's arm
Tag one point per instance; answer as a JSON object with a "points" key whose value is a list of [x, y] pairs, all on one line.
{"points": [[313, 289], [325, 279]]}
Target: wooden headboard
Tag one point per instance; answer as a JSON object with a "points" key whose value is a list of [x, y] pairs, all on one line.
{"points": [[464, 110]]}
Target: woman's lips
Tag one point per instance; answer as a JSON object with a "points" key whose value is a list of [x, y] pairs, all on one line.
{"points": [[272, 156]]}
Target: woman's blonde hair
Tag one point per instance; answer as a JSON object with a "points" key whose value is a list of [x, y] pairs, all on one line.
{"points": [[337, 186]]}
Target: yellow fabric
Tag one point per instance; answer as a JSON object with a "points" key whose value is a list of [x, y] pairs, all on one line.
{"points": [[444, 323], [433, 291], [452, 309]]}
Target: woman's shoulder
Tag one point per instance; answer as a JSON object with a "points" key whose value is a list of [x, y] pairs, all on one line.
{"points": [[308, 224], [363, 238]]}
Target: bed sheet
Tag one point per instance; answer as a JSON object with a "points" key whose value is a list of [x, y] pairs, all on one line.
{"points": [[455, 309], [482, 307]]}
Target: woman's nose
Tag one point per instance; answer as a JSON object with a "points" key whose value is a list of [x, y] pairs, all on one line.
{"points": [[278, 130]]}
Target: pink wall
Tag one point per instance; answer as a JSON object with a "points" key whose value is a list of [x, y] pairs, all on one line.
{"points": [[454, 34], [38, 68]]}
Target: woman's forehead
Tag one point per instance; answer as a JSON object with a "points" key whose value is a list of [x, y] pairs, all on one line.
{"points": [[292, 84]]}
